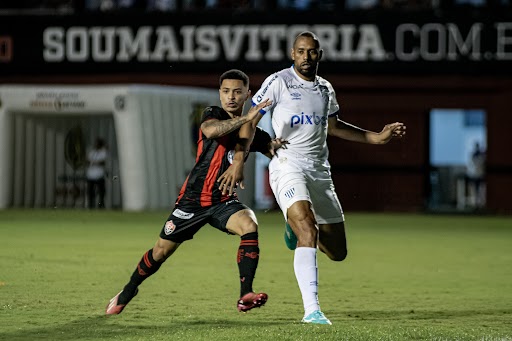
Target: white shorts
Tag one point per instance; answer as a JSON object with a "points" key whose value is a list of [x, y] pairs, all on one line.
{"points": [[294, 179]]}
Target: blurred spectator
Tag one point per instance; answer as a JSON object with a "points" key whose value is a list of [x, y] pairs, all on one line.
{"points": [[476, 177], [109, 5], [233, 4], [361, 4], [304, 5], [407, 4], [300, 5], [258, 5], [161, 5], [148, 5], [96, 174], [59, 5], [473, 3]]}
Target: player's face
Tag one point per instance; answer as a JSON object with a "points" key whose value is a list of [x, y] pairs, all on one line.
{"points": [[233, 95], [306, 55]]}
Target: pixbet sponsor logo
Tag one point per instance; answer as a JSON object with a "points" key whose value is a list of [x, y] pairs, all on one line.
{"points": [[304, 119]]}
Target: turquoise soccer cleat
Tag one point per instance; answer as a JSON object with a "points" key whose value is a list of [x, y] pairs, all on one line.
{"points": [[316, 317], [290, 238]]}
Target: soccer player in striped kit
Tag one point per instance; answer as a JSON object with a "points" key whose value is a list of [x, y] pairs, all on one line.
{"points": [[201, 201], [304, 111]]}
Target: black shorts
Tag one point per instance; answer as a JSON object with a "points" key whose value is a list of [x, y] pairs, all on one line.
{"points": [[188, 217]]}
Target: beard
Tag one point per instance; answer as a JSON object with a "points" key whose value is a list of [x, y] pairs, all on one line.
{"points": [[308, 72]]}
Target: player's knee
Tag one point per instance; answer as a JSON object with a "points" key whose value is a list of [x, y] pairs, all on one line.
{"points": [[307, 231], [307, 236], [334, 252], [249, 227], [163, 249], [338, 255]]}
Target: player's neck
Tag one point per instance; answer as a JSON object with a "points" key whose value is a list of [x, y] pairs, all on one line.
{"points": [[233, 114], [301, 76]]}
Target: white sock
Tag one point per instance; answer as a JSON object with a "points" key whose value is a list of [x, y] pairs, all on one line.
{"points": [[306, 272]]}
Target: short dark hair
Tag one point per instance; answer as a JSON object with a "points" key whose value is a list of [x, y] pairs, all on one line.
{"points": [[235, 74], [100, 142], [308, 34]]}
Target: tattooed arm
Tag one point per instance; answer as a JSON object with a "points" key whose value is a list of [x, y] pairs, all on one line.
{"points": [[214, 128]]}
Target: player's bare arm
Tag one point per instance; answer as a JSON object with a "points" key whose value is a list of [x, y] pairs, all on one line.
{"points": [[234, 175], [350, 132], [214, 128], [217, 128]]}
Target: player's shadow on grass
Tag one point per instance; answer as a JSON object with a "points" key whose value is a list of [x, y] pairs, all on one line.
{"points": [[415, 314], [106, 327]]}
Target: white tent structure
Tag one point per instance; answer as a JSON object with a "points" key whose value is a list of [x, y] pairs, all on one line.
{"points": [[45, 130]]}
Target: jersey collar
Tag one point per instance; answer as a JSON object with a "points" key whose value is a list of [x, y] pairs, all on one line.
{"points": [[309, 84]]}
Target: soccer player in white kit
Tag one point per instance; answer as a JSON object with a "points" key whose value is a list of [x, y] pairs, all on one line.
{"points": [[304, 110]]}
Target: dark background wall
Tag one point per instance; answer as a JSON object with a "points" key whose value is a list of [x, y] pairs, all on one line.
{"points": [[371, 94]]}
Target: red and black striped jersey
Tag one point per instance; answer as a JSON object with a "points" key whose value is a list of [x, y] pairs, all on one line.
{"points": [[213, 157]]}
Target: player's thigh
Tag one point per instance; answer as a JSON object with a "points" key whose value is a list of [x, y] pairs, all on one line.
{"points": [[326, 204], [290, 186], [233, 217], [332, 240], [184, 222], [242, 222]]}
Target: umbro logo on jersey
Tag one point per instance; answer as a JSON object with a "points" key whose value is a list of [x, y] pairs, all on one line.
{"points": [[308, 119], [183, 215], [295, 96]]}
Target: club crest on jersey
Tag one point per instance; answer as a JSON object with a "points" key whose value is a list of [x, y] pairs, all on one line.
{"points": [[169, 227], [230, 156], [181, 214]]}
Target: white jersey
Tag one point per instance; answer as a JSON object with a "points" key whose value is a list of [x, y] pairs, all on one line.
{"points": [[300, 110], [96, 170]]}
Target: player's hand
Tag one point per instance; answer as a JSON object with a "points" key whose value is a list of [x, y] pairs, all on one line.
{"points": [[275, 144], [232, 177], [255, 110], [392, 130]]}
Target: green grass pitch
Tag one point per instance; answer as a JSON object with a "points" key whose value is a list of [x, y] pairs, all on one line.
{"points": [[407, 277]]}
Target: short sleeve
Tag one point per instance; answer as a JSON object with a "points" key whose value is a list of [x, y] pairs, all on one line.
{"points": [[211, 112], [334, 107], [270, 89]]}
